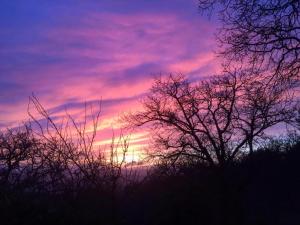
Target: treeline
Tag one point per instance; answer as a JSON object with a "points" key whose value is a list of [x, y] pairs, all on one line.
{"points": [[53, 173], [45, 184], [213, 159]]}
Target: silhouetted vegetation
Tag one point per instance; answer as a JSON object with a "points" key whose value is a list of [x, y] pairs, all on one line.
{"points": [[215, 120], [51, 172], [263, 34], [257, 189], [214, 159], [261, 188]]}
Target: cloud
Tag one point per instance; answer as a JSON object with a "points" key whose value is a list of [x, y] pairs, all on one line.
{"points": [[69, 55]]}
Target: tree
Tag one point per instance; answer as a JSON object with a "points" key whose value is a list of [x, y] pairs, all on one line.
{"points": [[50, 156], [215, 120], [68, 153], [16, 147], [263, 33]]}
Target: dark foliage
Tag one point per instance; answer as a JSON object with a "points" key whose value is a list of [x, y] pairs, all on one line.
{"points": [[262, 188], [259, 189]]}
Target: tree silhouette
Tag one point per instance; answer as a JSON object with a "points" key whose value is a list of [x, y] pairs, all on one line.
{"points": [[16, 147], [56, 157], [215, 120], [47, 159], [263, 33]]}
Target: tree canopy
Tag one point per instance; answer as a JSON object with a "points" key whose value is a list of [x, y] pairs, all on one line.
{"points": [[262, 33], [214, 120]]}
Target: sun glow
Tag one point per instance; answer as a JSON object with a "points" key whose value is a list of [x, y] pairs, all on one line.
{"points": [[126, 149]]}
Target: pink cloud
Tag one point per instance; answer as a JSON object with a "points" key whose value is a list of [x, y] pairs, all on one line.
{"points": [[109, 56]]}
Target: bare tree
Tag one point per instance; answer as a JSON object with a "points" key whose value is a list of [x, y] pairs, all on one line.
{"points": [[16, 148], [58, 156], [214, 120], [263, 33], [68, 154]]}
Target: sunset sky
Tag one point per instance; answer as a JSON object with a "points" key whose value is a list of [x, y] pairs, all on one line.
{"points": [[68, 52]]}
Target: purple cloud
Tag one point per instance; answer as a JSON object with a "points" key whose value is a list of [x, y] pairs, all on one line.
{"points": [[71, 52]]}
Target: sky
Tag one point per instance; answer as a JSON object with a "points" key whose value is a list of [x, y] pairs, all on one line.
{"points": [[72, 52]]}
